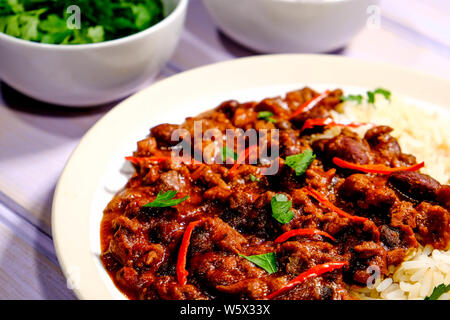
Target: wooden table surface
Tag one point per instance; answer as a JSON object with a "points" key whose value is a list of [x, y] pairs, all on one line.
{"points": [[37, 139]]}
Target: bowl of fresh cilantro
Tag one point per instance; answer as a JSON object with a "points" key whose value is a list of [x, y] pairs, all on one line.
{"points": [[86, 52]]}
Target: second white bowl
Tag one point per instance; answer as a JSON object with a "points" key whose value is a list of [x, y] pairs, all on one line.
{"points": [[289, 26]]}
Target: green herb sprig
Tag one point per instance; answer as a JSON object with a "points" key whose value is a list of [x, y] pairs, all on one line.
{"points": [[228, 153], [438, 292], [300, 162], [266, 261], [281, 209], [266, 115], [370, 96], [351, 97], [100, 20], [166, 200]]}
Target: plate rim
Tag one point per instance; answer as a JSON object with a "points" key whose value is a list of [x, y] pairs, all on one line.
{"points": [[63, 238]]}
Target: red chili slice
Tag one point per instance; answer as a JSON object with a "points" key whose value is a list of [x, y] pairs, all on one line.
{"points": [[324, 201], [308, 105], [136, 160], [375, 168], [181, 262], [301, 232], [328, 122], [242, 157], [311, 273]]}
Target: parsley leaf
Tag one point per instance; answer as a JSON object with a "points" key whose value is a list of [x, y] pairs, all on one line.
{"points": [[266, 115], [384, 92], [166, 200], [351, 97], [97, 34], [228, 153], [281, 209], [100, 20], [300, 162], [142, 15], [438, 292], [371, 97], [29, 27], [266, 261]]}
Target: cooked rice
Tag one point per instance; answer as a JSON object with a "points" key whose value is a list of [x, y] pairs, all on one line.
{"points": [[424, 133]]}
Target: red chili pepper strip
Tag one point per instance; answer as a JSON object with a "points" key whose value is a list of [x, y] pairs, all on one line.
{"points": [[181, 262], [324, 201], [311, 273], [311, 123], [328, 122], [242, 157], [375, 168], [308, 105], [301, 232], [136, 160]]}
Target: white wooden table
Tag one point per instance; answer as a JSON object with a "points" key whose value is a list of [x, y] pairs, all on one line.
{"points": [[37, 139]]}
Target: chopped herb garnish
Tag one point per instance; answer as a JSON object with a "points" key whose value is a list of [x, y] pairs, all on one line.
{"points": [[384, 92], [281, 209], [228, 153], [266, 115], [370, 97], [266, 261], [300, 162], [438, 292], [166, 200], [351, 97], [52, 21], [253, 178]]}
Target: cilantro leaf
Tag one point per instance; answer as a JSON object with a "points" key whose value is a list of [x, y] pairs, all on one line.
{"points": [[228, 153], [371, 97], [300, 162], [166, 200], [351, 97], [14, 6], [438, 292], [281, 208], [97, 34], [3, 23], [266, 261], [384, 92], [29, 27], [53, 23], [100, 20], [266, 115]]}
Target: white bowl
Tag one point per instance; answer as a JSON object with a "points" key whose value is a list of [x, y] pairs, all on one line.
{"points": [[289, 26], [91, 74]]}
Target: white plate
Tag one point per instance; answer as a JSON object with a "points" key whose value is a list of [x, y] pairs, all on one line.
{"points": [[96, 168]]}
